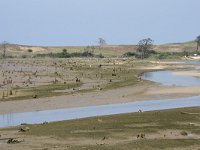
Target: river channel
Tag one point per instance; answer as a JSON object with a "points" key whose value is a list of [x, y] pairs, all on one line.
{"points": [[162, 77]]}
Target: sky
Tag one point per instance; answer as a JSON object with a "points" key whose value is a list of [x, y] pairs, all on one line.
{"points": [[82, 22]]}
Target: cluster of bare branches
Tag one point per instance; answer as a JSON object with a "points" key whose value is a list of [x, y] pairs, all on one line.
{"points": [[3, 47], [198, 42], [101, 42]]}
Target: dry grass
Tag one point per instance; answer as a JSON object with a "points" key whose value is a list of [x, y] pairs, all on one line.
{"points": [[107, 50]]}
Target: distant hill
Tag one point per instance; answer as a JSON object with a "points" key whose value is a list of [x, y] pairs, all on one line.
{"points": [[107, 50]]}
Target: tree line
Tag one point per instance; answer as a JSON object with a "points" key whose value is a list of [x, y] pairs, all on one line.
{"points": [[144, 48]]}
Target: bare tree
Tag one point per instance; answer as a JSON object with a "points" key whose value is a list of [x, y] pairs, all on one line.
{"points": [[101, 42], [198, 42], [4, 46], [144, 46]]}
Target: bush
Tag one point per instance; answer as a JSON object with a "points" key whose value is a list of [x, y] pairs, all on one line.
{"points": [[100, 56], [30, 50], [65, 54], [162, 55], [24, 56], [129, 54]]}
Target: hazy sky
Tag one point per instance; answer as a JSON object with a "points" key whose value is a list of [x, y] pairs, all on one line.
{"points": [[81, 22]]}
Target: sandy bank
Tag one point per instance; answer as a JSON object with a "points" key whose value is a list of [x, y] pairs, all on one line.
{"points": [[187, 73], [121, 95]]}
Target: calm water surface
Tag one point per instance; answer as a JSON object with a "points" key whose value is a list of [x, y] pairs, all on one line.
{"points": [[170, 79]]}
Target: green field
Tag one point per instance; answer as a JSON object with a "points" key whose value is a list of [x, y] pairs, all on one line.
{"points": [[165, 129]]}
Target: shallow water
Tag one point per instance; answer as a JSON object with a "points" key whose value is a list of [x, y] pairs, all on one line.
{"points": [[170, 79], [163, 77], [76, 113]]}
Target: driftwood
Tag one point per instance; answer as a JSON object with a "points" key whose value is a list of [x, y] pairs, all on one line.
{"points": [[13, 141], [187, 113]]}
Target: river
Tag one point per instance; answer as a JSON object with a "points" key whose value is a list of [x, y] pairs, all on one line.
{"points": [[163, 77]]}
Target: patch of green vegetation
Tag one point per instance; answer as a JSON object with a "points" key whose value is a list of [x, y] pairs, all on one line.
{"points": [[188, 43], [40, 91], [80, 49], [127, 126], [163, 55], [69, 55], [156, 144], [126, 78]]}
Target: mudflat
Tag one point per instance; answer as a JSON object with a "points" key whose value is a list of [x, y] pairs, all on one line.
{"points": [[54, 84]]}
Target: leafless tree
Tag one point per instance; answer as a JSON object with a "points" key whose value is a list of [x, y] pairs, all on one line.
{"points": [[198, 42], [101, 42], [4, 46]]}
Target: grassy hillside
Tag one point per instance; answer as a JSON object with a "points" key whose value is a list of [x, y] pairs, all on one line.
{"points": [[107, 50]]}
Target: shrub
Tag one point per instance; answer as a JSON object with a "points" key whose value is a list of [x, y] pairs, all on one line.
{"points": [[30, 50], [129, 54]]}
